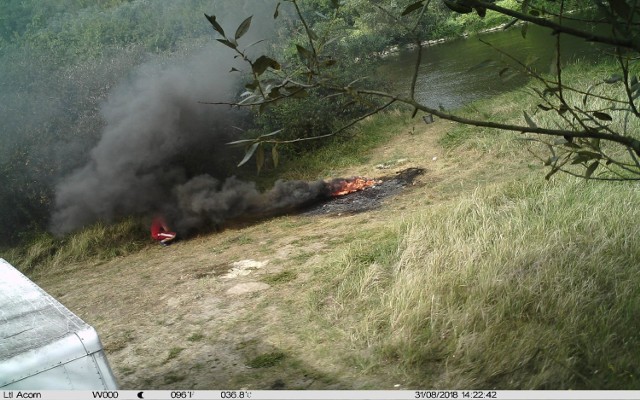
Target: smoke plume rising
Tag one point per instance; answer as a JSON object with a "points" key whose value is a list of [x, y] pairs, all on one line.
{"points": [[163, 152]]}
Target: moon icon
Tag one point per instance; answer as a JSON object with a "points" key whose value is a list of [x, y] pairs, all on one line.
{"points": [[140, 395]]}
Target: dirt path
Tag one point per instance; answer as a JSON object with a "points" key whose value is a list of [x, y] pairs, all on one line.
{"points": [[217, 311]]}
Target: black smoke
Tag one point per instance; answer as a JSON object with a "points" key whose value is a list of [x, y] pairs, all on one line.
{"points": [[163, 151], [156, 135], [207, 203]]}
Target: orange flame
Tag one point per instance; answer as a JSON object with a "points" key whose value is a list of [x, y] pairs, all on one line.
{"points": [[352, 185]]}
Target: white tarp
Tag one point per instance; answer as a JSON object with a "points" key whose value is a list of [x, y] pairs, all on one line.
{"points": [[43, 345]]}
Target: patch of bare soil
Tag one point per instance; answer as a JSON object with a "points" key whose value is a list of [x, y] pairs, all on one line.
{"points": [[220, 310]]}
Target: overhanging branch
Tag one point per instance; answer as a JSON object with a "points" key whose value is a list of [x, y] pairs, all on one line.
{"points": [[624, 140], [613, 41]]}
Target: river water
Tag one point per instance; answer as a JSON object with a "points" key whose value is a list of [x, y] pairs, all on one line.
{"points": [[460, 71]]}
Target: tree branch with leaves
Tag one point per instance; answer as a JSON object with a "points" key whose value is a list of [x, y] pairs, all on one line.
{"points": [[589, 127]]}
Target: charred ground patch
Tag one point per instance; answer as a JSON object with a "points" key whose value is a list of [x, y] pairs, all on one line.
{"points": [[369, 198]]}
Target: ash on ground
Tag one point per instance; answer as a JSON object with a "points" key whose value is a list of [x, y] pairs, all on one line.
{"points": [[369, 198]]}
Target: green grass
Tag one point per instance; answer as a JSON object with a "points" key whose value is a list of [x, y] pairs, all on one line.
{"points": [[267, 360], [173, 353], [523, 285], [280, 278], [510, 107], [196, 337], [505, 108], [94, 243]]}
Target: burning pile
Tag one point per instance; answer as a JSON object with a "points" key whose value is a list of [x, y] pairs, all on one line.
{"points": [[341, 187], [364, 194]]}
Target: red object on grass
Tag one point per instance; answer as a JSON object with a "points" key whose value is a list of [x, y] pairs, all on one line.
{"points": [[160, 231]]}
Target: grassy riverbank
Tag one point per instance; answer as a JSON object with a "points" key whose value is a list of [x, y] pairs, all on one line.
{"points": [[482, 275]]}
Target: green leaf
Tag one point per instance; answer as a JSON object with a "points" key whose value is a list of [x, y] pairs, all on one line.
{"points": [[529, 120], [275, 156], [260, 158], [335, 3], [216, 25], [276, 13], [262, 63], [534, 13], [594, 129], [584, 156], [274, 93], [227, 43], [602, 116], [253, 85], [241, 141], [586, 95], [590, 154], [305, 55], [249, 153], [243, 28], [299, 94], [412, 7], [591, 169]]}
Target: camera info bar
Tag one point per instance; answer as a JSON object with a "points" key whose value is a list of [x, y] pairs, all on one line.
{"points": [[321, 394]]}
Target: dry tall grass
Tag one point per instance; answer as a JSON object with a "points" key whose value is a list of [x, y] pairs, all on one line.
{"points": [[524, 285]]}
